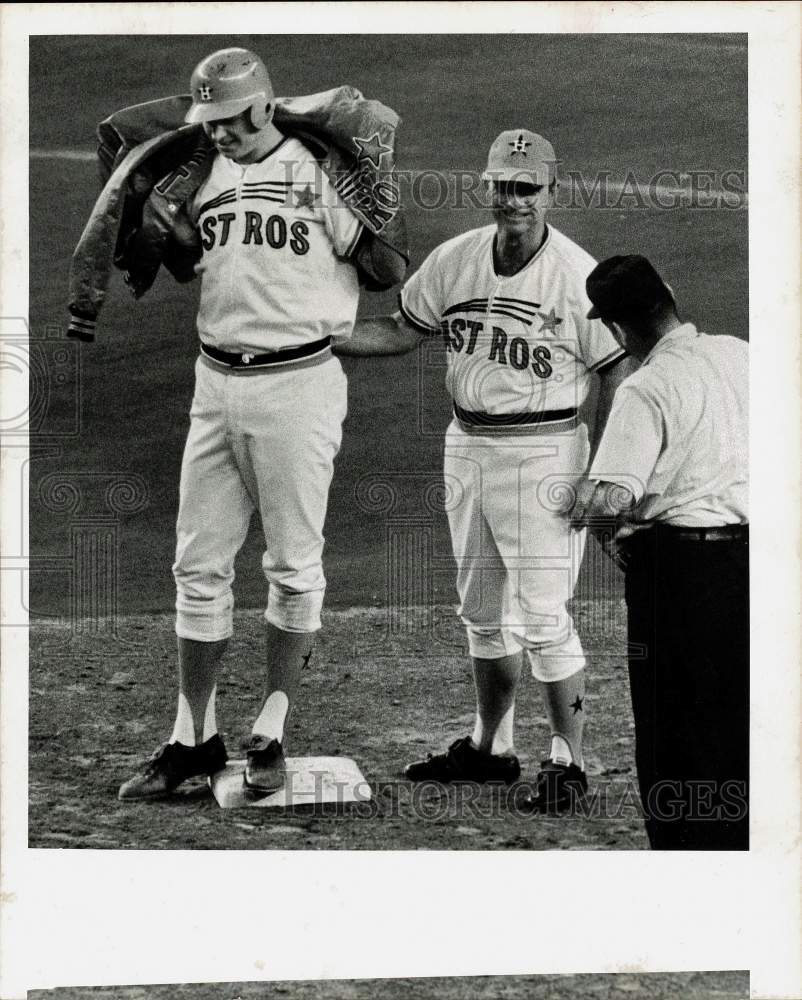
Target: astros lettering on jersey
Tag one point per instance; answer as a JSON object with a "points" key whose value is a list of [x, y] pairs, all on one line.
{"points": [[519, 343], [258, 222]]}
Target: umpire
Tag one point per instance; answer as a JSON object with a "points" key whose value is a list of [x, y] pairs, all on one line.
{"points": [[671, 468]]}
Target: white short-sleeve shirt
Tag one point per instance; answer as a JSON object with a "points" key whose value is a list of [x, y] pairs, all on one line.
{"points": [[677, 434], [514, 344], [276, 237]]}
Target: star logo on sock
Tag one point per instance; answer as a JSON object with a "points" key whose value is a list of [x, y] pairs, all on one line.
{"points": [[306, 659], [576, 704]]}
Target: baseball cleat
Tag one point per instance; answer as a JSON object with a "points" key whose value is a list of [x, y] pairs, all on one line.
{"points": [[557, 789], [265, 767], [463, 762], [171, 764]]}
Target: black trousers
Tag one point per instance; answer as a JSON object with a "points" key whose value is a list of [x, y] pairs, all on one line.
{"points": [[688, 631]]}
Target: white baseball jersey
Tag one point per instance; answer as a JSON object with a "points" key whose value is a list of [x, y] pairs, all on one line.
{"points": [[678, 430], [275, 238], [514, 344]]}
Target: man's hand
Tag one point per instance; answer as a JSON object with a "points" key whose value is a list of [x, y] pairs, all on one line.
{"points": [[578, 514], [599, 500], [599, 506]]}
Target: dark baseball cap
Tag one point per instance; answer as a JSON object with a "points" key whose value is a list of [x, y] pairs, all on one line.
{"points": [[625, 286]]}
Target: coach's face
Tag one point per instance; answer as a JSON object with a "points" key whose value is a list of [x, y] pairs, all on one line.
{"points": [[235, 138], [520, 207]]}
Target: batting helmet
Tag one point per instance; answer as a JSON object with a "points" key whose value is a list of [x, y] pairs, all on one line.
{"points": [[227, 83]]}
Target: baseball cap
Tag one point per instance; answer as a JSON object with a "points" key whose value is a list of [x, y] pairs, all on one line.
{"points": [[625, 286], [521, 155]]}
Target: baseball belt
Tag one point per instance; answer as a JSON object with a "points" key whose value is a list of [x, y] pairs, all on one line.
{"points": [[472, 419], [282, 357], [720, 533]]}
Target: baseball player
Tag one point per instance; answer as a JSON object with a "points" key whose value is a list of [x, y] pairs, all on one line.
{"points": [[269, 402], [509, 300], [672, 463]]}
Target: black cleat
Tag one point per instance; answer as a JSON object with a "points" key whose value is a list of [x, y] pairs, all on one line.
{"points": [[265, 767], [558, 788], [463, 762], [171, 764]]}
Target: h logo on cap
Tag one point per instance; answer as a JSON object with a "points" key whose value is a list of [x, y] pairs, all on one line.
{"points": [[205, 93], [519, 146]]}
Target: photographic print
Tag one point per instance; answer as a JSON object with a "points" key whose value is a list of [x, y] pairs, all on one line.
{"points": [[399, 555], [463, 610]]}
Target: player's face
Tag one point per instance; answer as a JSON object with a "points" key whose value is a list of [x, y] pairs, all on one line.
{"points": [[235, 137], [519, 207]]}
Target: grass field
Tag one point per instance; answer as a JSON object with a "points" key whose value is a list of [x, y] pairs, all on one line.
{"points": [[137, 378], [377, 691]]}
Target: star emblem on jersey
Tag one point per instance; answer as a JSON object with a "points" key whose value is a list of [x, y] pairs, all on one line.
{"points": [[550, 321], [305, 198], [205, 93], [371, 149], [577, 704], [519, 146]]}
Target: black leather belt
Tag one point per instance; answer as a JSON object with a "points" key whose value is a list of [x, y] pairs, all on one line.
{"points": [[720, 533], [477, 418], [246, 360]]}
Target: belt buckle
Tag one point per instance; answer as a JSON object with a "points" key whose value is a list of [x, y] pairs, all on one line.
{"points": [[247, 358]]}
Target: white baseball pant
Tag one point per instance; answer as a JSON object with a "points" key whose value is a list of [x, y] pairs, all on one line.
{"points": [[517, 558], [258, 440]]}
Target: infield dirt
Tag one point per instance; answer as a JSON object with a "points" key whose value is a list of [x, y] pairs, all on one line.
{"points": [[100, 705]]}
